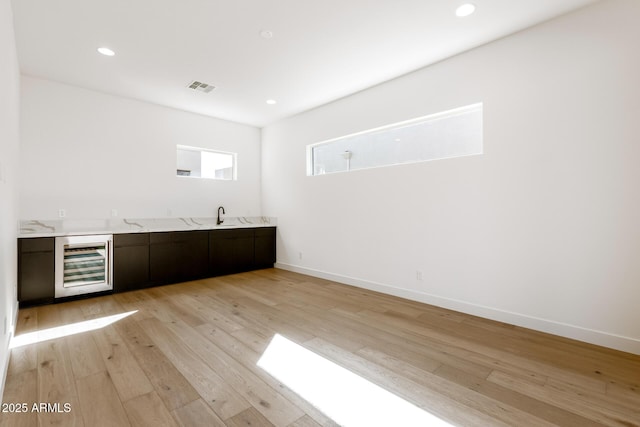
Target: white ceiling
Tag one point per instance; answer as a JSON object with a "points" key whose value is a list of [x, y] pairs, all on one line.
{"points": [[320, 51]]}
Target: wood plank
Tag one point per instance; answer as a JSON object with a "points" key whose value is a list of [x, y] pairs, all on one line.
{"points": [[197, 345], [24, 358], [99, 401], [56, 383], [222, 398], [148, 410], [514, 399], [492, 353], [277, 409], [20, 388], [364, 335], [571, 402], [426, 346], [226, 316], [265, 315], [91, 308], [305, 421], [197, 413], [249, 358], [341, 335], [135, 301], [206, 311], [430, 399], [104, 306], [249, 418], [84, 356], [236, 282], [173, 388], [628, 395], [148, 369], [255, 339], [166, 309], [127, 376]]}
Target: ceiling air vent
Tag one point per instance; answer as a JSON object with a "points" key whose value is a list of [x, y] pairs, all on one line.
{"points": [[202, 87]]}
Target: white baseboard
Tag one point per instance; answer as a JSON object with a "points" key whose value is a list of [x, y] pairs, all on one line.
{"points": [[591, 336]]}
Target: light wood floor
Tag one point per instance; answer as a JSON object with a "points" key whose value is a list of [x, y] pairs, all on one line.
{"points": [[188, 357]]}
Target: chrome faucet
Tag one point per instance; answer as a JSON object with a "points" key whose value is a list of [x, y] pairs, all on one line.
{"points": [[220, 221]]}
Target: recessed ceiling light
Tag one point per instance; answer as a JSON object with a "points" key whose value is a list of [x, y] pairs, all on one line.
{"points": [[271, 101], [106, 51], [266, 34], [465, 9]]}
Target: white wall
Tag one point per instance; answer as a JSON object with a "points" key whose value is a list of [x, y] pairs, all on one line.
{"points": [[542, 230], [9, 154], [89, 153]]}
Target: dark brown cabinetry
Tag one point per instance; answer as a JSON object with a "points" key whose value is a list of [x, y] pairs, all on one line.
{"points": [[178, 256], [148, 259], [231, 251], [238, 250], [264, 247], [130, 261], [36, 264], [194, 257]]}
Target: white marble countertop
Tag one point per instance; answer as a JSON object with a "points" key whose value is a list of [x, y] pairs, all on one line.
{"points": [[79, 227]]}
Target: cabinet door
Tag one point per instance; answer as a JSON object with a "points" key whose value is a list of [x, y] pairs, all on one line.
{"points": [[163, 265], [220, 252], [162, 258], [265, 247], [36, 266], [130, 268], [230, 251], [192, 248], [243, 251], [130, 261], [36, 277]]}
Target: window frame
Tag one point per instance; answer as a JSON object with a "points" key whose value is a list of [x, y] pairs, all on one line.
{"points": [[310, 161], [234, 159]]}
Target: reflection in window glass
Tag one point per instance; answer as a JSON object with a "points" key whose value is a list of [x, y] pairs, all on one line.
{"points": [[452, 133], [202, 163]]}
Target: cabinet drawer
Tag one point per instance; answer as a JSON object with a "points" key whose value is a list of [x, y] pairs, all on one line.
{"points": [[232, 234], [178, 236], [265, 232], [164, 237], [131, 239], [40, 244], [190, 236]]}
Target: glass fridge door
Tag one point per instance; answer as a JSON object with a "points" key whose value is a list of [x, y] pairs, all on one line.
{"points": [[85, 265]]}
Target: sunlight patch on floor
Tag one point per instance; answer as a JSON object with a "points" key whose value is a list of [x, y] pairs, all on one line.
{"points": [[66, 330], [347, 398]]}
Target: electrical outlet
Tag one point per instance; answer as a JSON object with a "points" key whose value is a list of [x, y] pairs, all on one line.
{"points": [[114, 212], [299, 255], [62, 213], [418, 275]]}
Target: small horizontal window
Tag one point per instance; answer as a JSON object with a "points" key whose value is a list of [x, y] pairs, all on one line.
{"points": [[452, 133], [202, 163]]}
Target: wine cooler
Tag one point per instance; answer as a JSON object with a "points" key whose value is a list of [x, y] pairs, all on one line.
{"points": [[83, 265]]}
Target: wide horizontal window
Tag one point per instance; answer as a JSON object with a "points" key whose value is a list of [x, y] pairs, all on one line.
{"points": [[202, 163], [452, 133]]}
